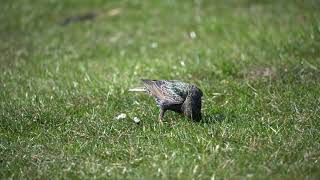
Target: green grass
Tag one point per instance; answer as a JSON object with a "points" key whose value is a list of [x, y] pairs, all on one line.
{"points": [[257, 62]]}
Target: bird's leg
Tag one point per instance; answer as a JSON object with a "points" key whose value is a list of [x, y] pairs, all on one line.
{"points": [[161, 114]]}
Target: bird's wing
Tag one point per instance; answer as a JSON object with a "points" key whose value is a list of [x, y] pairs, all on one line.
{"points": [[165, 91]]}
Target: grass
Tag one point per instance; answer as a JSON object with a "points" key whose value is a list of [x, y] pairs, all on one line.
{"points": [[61, 87]]}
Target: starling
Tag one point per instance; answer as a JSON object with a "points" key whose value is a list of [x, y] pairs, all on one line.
{"points": [[174, 95]]}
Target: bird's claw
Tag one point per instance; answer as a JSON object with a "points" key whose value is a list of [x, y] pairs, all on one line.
{"points": [[160, 122]]}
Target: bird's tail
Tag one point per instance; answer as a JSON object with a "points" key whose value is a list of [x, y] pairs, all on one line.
{"points": [[138, 89]]}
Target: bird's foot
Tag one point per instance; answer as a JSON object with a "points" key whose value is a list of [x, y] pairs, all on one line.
{"points": [[161, 116], [161, 122]]}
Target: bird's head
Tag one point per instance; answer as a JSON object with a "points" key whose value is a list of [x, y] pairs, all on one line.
{"points": [[192, 104]]}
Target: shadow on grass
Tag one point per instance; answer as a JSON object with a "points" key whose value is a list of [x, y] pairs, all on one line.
{"points": [[79, 18]]}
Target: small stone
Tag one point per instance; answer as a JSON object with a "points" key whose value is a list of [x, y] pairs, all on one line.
{"points": [[193, 35], [154, 45], [136, 120], [121, 116]]}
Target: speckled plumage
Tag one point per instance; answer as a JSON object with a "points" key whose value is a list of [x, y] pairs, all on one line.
{"points": [[176, 96]]}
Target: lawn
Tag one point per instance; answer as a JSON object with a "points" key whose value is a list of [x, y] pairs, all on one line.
{"points": [[66, 67]]}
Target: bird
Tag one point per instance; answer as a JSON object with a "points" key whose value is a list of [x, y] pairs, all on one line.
{"points": [[181, 97]]}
